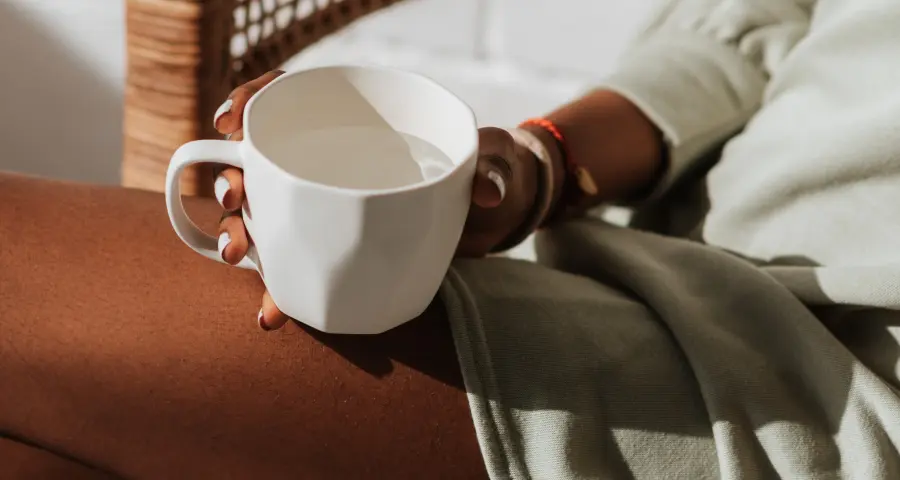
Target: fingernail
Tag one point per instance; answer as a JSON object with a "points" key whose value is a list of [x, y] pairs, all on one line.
{"points": [[224, 240], [221, 188], [223, 109], [262, 321], [499, 182]]}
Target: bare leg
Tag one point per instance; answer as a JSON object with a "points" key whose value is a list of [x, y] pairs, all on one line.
{"points": [[126, 351]]}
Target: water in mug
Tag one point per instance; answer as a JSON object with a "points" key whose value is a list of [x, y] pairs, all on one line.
{"points": [[367, 158]]}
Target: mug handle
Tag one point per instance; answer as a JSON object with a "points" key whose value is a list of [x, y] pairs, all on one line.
{"points": [[199, 151]]}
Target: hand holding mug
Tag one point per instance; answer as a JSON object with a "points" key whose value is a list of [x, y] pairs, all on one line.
{"points": [[503, 191]]}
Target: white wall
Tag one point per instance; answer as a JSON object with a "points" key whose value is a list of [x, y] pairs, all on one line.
{"points": [[61, 83], [62, 70], [510, 59]]}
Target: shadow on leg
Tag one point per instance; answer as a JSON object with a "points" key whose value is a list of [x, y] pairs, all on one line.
{"points": [[26, 462]]}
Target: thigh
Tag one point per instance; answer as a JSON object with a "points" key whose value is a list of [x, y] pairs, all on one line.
{"points": [[123, 348]]}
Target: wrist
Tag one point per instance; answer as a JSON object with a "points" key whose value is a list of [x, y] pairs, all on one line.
{"points": [[610, 137]]}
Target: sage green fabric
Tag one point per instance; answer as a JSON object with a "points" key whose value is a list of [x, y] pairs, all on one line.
{"points": [[633, 355], [628, 354]]}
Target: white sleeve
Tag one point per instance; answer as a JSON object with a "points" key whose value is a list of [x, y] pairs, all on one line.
{"points": [[698, 69]]}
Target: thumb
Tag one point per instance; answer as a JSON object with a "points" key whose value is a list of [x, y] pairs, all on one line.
{"points": [[492, 177]]}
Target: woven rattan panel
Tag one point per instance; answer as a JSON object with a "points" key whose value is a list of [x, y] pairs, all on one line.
{"points": [[185, 56]]}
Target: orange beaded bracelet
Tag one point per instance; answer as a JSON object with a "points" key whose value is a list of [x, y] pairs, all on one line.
{"points": [[582, 177]]}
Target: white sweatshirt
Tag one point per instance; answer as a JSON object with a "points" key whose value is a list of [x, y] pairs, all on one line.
{"points": [[806, 96]]}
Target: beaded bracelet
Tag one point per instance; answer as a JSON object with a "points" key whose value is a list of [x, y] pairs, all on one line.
{"points": [[569, 198], [583, 178]]}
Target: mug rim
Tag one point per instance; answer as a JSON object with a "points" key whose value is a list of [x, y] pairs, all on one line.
{"points": [[247, 141]]}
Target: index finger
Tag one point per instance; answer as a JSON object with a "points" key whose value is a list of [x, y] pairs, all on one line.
{"points": [[228, 117]]}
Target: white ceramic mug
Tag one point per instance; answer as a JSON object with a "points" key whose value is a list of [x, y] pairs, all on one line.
{"points": [[340, 258]]}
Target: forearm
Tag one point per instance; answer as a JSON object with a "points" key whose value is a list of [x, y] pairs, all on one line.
{"points": [[613, 140], [698, 73]]}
